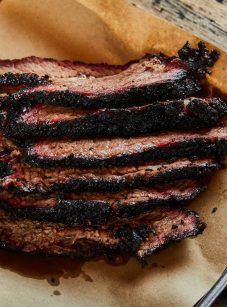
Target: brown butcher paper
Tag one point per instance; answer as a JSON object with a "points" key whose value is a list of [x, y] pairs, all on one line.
{"points": [[115, 32]]}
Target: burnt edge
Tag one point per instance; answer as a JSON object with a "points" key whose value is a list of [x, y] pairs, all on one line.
{"points": [[24, 79]]}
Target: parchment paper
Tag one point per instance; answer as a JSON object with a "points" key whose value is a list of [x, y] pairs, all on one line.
{"points": [[113, 32]]}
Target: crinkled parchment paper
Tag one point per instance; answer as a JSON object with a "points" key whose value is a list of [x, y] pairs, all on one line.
{"points": [[115, 32]]}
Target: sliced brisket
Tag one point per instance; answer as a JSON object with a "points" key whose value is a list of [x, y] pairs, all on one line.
{"points": [[34, 71], [138, 237], [125, 151], [25, 179], [43, 120], [89, 208], [149, 79]]}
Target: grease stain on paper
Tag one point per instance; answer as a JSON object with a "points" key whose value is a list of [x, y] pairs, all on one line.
{"points": [[50, 269]]}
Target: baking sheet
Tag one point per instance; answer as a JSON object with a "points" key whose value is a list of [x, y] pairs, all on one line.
{"points": [[113, 32]]}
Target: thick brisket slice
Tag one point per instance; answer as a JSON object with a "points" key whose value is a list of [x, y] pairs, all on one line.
{"points": [[124, 151], [99, 208], [138, 237], [26, 179], [149, 79], [34, 71], [43, 120]]}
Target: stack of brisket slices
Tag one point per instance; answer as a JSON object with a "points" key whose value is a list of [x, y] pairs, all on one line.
{"points": [[97, 159]]}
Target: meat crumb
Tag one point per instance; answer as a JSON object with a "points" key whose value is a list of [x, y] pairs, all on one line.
{"points": [[162, 266], [53, 281], [214, 210]]}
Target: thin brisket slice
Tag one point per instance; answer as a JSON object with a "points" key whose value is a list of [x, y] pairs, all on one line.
{"points": [[125, 151], [25, 179], [150, 79], [138, 237], [95, 208], [43, 120], [33, 71]]}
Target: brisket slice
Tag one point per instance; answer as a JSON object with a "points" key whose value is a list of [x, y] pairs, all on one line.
{"points": [[34, 71], [43, 120], [95, 208], [150, 79], [138, 237], [124, 151], [25, 179]]}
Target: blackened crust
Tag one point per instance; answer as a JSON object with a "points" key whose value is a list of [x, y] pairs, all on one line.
{"points": [[199, 59], [5, 169], [13, 81]]}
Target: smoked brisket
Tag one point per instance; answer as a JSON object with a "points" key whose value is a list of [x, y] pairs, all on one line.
{"points": [[86, 167], [93, 208], [25, 179], [150, 79], [43, 120], [127, 151], [139, 237]]}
